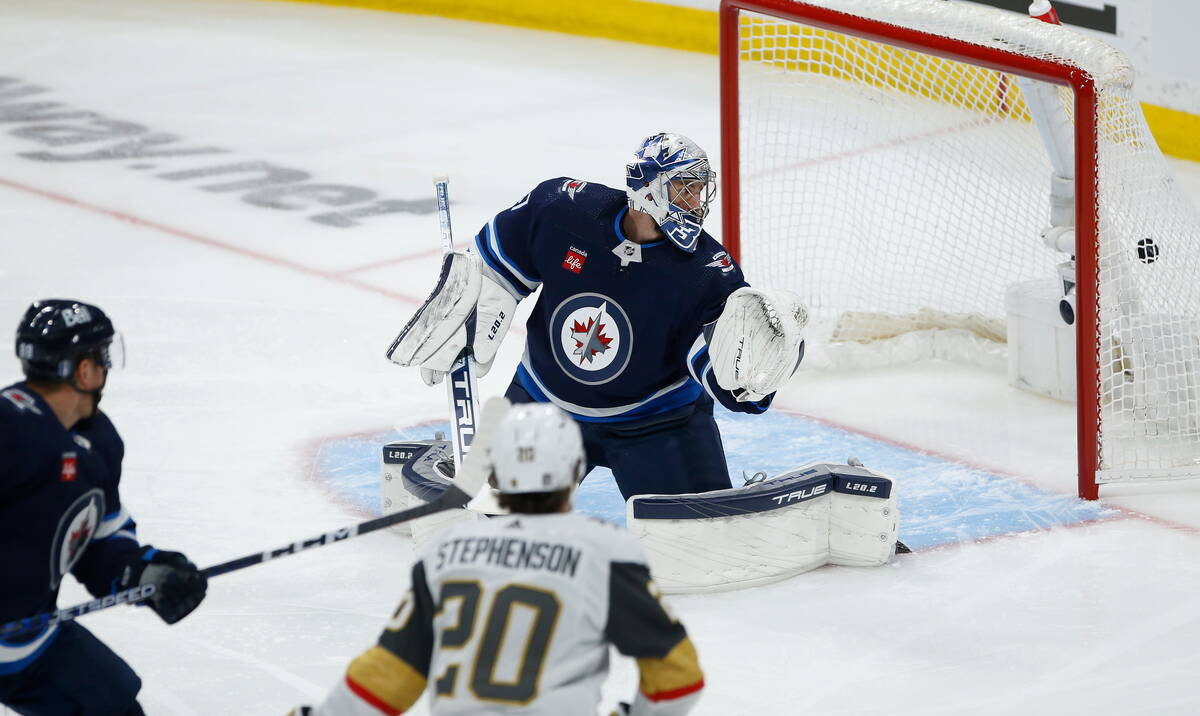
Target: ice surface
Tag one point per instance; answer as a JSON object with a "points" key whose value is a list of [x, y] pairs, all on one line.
{"points": [[256, 339]]}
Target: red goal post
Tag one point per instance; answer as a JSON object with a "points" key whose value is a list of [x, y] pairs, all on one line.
{"points": [[778, 45]]}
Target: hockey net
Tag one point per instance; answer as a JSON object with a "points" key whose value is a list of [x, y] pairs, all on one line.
{"points": [[880, 159]]}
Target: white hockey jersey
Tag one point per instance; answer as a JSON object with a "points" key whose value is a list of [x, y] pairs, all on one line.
{"points": [[514, 615]]}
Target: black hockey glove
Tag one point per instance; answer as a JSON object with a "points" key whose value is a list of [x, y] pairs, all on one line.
{"points": [[179, 587]]}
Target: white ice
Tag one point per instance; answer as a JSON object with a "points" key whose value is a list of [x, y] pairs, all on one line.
{"points": [[253, 334]]}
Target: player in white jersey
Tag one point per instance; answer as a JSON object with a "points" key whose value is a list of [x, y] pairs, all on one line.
{"points": [[514, 614]]}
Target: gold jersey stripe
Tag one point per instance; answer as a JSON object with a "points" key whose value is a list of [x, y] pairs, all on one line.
{"points": [[390, 680], [676, 673]]}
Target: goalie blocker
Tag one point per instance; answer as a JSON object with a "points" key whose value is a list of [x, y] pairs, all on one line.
{"points": [[469, 308]]}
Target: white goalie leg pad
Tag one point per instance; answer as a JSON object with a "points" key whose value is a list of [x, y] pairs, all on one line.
{"points": [[746, 536], [691, 554], [437, 333], [756, 343], [393, 496], [863, 521], [410, 477]]}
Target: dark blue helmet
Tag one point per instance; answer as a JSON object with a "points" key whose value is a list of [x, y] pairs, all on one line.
{"points": [[56, 334]]}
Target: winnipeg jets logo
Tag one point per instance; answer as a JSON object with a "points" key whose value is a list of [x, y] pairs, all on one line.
{"points": [[594, 338], [571, 186], [75, 529], [78, 538], [721, 261], [590, 339], [22, 400]]}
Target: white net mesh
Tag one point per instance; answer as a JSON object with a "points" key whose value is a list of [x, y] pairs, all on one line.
{"points": [[899, 192]]}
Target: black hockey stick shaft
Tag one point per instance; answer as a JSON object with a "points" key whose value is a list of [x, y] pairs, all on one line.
{"points": [[453, 497], [448, 500], [40, 621], [467, 482]]}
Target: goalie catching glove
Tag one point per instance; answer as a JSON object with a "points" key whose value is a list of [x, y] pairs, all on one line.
{"points": [[467, 309], [757, 342]]}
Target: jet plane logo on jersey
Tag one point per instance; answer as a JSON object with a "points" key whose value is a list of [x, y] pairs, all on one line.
{"points": [[721, 261], [75, 530], [22, 400], [572, 186], [594, 336], [590, 340]]}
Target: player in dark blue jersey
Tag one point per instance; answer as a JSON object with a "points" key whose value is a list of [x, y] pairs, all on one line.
{"points": [[643, 321], [61, 512]]}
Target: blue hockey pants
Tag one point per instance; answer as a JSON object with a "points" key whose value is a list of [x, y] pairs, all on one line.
{"points": [[671, 453], [76, 676]]}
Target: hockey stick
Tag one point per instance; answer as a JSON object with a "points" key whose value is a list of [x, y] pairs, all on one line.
{"points": [[461, 387], [466, 484]]}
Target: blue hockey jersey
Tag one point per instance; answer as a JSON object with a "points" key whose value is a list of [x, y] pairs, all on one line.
{"points": [[60, 512], [618, 332]]}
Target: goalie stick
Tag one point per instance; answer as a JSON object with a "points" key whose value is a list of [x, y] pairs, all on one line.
{"points": [[461, 387], [466, 484]]}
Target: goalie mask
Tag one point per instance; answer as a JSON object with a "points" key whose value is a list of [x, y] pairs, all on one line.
{"points": [[670, 179]]}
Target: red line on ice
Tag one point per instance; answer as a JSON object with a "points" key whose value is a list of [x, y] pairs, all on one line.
{"points": [[1125, 512], [388, 262], [878, 147], [337, 277]]}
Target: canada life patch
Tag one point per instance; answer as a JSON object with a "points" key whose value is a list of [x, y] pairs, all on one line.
{"points": [[574, 260], [70, 467], [594, 338]]}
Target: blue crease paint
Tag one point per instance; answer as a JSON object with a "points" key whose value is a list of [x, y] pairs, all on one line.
{"points": [[941, 501]]}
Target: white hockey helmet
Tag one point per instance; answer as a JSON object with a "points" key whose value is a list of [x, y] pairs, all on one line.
{"points": [[664, 158], [537, 448]]}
